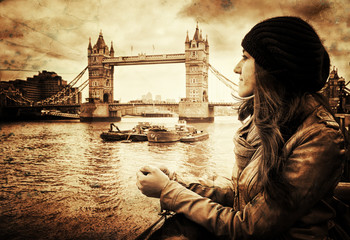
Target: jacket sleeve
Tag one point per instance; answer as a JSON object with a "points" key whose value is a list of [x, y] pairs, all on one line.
{"points": [[219, 189], [313, 168]]}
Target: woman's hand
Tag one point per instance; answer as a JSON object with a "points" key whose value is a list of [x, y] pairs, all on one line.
{"points": [[151, 181], [167, 171]]}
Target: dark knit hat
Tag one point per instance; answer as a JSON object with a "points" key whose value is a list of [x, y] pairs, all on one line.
{"points": [[290, 49]]}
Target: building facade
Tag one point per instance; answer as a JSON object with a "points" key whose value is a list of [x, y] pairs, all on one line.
{"points": [[337, 93], [37, 88]]}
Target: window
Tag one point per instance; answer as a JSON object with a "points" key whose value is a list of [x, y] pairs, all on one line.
{"points": [[194, 93], [94, 94], [194, 69]]}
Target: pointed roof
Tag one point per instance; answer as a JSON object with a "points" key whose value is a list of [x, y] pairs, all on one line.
{"points": [[196, 34], [187, 39], [100, 41], [112, 49], [89, 47], [334, 73]]}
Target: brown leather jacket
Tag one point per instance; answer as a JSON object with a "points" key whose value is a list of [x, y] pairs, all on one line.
{"points": [[238, 210]]}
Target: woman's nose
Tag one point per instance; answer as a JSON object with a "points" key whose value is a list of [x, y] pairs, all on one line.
{"points": [[238, 68]]}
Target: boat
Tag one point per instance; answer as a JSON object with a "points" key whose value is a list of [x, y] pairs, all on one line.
{"points": [[114, 136], [160, 134], [183, 129], [181, 132], [137, 134], [195, 137], [138, 137]]}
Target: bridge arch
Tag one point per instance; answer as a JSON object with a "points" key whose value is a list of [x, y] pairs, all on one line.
{"points": [[106, 98]]}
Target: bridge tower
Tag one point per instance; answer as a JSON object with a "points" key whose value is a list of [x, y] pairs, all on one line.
{"points": [[100, 83], [195, 106], [100, 75]]}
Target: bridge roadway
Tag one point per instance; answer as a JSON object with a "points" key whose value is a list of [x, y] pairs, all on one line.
{"points": [[211, 104], [145, 59], [118, 106], [112, 106]]}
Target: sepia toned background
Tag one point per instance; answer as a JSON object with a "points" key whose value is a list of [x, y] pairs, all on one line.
{"points": [[54, 36], [59, 180]]}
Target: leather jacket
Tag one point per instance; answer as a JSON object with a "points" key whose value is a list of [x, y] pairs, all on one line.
{"points": [[237, 208]]}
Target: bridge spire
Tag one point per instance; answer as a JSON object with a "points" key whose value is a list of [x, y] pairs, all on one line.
{"points": [[89, 46], [100, 44], [112, 50], [187, 39], [196, 34]]}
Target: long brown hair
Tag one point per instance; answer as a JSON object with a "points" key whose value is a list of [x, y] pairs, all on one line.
{"points": [[277, 110]]}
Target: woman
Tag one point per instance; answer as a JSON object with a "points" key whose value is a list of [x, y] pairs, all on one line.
{"points": [[289, 152]]}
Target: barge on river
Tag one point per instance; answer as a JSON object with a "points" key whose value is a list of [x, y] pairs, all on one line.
{"points": [[160, 134], [195, 137], [137, 134], [182, 133]]}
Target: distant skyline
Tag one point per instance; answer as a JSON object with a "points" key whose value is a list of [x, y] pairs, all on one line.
{"points": [[53, 35]]}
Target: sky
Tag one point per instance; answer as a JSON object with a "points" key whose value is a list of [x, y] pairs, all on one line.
{"points": [[53, 35]]}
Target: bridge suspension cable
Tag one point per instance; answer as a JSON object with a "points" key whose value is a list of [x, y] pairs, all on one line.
{"points": [[16, 97], [229, 83], [347, 89], [59, 97], [66, 88], [72, 94], [76, 79]]}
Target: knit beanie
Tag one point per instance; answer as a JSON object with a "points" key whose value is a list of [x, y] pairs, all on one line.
{"points": [[289, 49]]}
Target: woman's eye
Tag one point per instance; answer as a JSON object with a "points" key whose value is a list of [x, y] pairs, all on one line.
{"points": [[244, 57]]}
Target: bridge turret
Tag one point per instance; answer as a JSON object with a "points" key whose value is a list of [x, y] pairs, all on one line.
{"points": [[195, 107], [89, 46], [206, 44], [196, 61], [187, 42], [112, 50], [100, 75], [196, 33]]}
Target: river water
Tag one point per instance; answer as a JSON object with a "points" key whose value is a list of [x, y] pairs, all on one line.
{"points": [[59, 180]]}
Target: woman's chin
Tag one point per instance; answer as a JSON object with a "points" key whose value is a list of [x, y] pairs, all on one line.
{"points": [[244, 95]]}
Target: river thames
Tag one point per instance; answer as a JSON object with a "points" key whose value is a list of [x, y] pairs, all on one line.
{"points": [[59, 180]]}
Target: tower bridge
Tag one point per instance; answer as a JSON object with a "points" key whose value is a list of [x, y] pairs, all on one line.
{"points": [[101, 63]]}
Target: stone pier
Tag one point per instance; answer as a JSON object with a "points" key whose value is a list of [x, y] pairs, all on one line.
{"points": [[98, 112], [196, 112]]}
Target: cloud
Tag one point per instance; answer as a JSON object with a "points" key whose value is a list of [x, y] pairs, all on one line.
{"points": [[53, 34], [40, 33], [230, 20]]}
